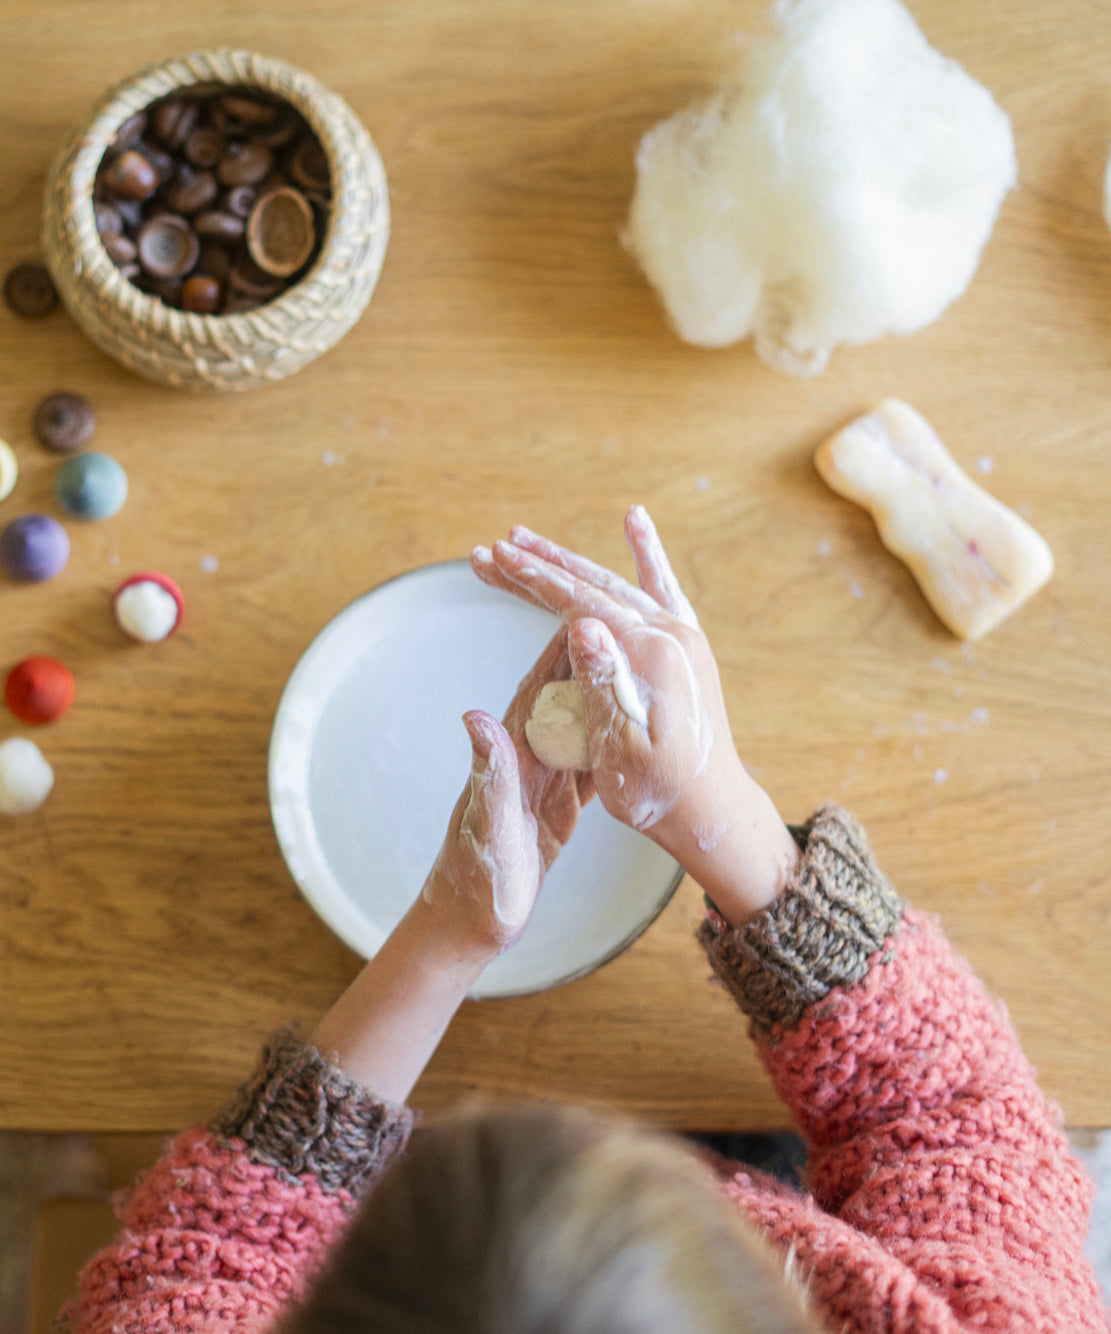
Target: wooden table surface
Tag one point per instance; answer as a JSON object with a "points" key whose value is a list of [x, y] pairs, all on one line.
{"points": [[513, 366]]}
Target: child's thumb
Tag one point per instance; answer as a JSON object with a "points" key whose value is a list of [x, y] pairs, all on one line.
{"points": [[493, 758]]}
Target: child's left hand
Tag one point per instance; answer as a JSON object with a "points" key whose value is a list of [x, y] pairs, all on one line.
{"points": [[509, 823]]}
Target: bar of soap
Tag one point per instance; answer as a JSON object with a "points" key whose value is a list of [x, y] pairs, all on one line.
{"points": [[556, 729], [975, 560]]}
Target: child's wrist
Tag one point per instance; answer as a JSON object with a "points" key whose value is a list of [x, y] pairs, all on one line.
{"points": [[735, 845], [443, 933]]}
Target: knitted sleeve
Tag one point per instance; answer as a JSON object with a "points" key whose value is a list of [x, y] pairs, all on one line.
{"points": [[234, 1220], [926, 1129]]}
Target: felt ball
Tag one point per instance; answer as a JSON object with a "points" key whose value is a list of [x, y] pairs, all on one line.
{"points": [[34, 547], [39, 690], [64, 422], [9, 470], [92, 486], [25, 777], [148, 607]]}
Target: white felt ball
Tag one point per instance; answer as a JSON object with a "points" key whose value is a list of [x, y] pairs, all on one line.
{"points": [[25, 777], [146, 611], [556, 729], [839, 188]]}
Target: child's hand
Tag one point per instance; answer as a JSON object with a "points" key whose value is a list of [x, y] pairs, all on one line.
{"points": [[661, 751], [510, 822], [650, 685]]}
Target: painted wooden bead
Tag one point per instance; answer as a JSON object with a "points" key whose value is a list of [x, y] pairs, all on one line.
{"points": [[39, 690], [92, 486], [148, 607]]}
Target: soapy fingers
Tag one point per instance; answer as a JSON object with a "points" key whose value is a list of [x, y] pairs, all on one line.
{"points": [[547, 585], [572, 585], [586, 570], [651, 696], [653, 567], [488, 871]]}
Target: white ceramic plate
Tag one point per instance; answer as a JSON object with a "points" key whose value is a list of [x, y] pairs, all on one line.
{"points": [[368, 756]]}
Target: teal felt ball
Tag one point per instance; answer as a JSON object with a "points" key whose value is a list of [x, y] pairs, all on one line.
{"points": [[92, 486]]}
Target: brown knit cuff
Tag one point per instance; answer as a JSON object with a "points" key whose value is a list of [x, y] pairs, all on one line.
{"points": [[300, 1113], [836, 911]]}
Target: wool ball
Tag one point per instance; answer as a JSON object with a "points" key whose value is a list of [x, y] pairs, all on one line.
{"points": [[91, 486], [34, 547], [25, 777], [556, 728], [839, 188], [148, 607], [39, 690], [9, 470]]}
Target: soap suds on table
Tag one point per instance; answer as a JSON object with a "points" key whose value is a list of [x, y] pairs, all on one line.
{"points": [[979, 717]]}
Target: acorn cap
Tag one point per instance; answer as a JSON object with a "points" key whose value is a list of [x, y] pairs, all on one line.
{"points": [[168, 246], [281, 231]]}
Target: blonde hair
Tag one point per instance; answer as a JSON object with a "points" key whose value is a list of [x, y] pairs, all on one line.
{"points": [[549, 1221]]}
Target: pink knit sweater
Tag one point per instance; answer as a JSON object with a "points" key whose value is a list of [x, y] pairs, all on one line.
{"points": [[942, 1194]]}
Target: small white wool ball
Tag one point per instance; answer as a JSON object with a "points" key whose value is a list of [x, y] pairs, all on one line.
{"points": [[556, 729], [148, 606], [25, 777], [146, 612], [839, 188]]}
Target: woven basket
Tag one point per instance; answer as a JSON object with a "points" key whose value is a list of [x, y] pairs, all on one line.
{"points": [[220, 351]]}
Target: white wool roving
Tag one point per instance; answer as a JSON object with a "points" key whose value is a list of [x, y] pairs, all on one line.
{"points": [[840, 187]]}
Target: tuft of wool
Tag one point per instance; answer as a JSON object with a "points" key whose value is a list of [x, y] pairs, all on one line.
{"points": [[839, 187]]}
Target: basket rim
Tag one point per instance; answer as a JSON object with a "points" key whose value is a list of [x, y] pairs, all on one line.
{"points": [[83, 154]]}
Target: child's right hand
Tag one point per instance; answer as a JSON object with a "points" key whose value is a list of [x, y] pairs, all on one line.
{"points": [[661, 750]]}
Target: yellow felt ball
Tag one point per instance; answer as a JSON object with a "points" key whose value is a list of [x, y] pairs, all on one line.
{"points": [[9, 470]]}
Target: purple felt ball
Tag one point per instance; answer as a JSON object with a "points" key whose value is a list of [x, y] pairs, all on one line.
{"points": [[33, 548]]}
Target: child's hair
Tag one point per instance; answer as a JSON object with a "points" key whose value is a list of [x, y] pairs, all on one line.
{"points": [[549, 1221]]}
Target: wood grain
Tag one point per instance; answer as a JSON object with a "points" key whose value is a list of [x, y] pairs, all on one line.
{"points": [[513, 366]]}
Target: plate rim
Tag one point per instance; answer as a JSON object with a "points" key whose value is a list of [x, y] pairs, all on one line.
{"points": [[476, 992]]}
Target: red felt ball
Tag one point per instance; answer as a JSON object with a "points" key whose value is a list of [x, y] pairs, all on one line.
{"points": [[39, 690]]}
